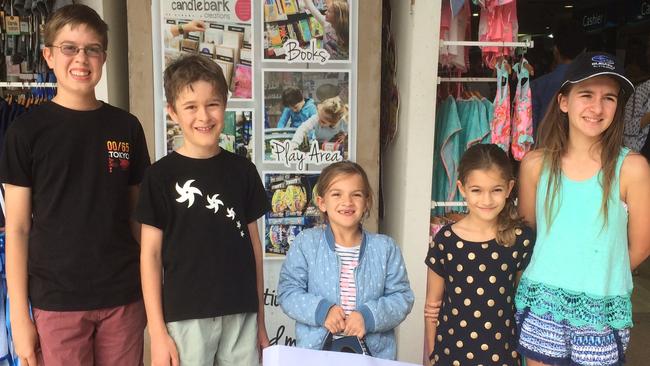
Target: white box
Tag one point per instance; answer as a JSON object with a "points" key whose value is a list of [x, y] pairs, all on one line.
{"points": [[294, 356]]}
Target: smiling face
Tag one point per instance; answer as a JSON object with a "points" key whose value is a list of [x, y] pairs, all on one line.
{"points": [[199, 111], [485, 191], [591, 106], [77, 75], [344, 202]]}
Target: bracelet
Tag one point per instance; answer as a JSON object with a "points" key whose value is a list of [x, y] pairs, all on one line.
{"points": [[180, 29]]}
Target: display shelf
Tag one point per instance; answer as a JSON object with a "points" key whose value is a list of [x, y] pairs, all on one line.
{"points": [[526, 44], [290, 18], [467, 79]]}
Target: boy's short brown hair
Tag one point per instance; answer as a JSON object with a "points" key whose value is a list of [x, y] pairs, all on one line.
{"points": [[186, 70], [291, 96], [75, 15]]}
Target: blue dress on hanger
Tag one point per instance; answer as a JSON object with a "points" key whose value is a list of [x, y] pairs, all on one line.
{"points": [[446, 152]]}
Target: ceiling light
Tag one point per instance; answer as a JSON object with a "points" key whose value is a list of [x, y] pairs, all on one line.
{"points": [[568, 6], [550, 35], [474, 14]]}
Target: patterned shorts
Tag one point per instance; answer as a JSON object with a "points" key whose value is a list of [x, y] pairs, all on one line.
{"points": [[559, 343]]}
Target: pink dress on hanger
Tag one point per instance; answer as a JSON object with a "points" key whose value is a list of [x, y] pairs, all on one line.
{"points": [[500, 124], [522, 119], [498, 23], [455, 28]]}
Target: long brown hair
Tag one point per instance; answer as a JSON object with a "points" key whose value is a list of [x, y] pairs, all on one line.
{"points": [[486, 157], [554, 138], [341, 23]]}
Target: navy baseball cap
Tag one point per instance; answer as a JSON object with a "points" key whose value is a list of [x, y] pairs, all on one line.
{"points": [[590, 64]]}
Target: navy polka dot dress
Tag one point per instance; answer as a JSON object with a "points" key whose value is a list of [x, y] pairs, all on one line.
{"points": [[476, 324]]}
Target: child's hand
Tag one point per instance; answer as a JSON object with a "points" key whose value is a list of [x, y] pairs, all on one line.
{"points": [[335, 320], [340, 137], [262, 339], [163, 351], [25, 342], [355, 325], [431, 310], [194, 26]]}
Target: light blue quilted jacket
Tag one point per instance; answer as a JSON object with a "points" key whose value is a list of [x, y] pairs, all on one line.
{"points": [[309, 287]]}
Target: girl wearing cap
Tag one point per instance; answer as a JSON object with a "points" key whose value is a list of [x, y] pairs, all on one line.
{"points": [[589, 199]]}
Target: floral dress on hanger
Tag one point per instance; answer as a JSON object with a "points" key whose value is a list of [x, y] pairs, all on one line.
{"points": [[522, 119], [500, 124]]}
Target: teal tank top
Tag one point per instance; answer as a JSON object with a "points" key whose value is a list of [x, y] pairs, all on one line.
{"points": [[580, 268]]}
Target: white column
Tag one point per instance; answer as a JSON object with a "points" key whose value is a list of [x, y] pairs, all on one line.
{"points": [[408, 161], [113, 88]]}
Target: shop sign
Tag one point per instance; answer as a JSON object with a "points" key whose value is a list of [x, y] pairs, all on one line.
{"points": [[208, 10], [597, 18], [637, 10], [311, 54], [593, 19]]}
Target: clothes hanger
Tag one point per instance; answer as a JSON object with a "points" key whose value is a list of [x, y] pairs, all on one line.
{"points": [[459, 86], [525, 64]]}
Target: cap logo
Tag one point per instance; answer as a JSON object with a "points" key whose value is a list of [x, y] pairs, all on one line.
{"points": [[602, 61]]}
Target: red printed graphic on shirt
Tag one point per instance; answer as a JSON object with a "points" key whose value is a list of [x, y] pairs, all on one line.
{"points": [[118, 155]]}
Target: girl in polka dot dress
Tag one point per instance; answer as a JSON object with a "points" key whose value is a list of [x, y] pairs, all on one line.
{"points": [[474, 266]]}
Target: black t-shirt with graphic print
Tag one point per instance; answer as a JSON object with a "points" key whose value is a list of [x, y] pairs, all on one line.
{"points": [[79, 166], [203, 207]]}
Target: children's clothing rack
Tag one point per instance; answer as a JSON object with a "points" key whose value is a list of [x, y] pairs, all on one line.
{"points": [[467, 79], [525, 44]]}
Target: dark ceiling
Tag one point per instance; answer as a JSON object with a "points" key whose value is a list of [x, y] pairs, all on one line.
{"points": [[536, 15]]}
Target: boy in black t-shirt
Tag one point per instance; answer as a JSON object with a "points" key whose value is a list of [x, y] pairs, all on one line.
{"points": [[72, 168], [201, 260]]}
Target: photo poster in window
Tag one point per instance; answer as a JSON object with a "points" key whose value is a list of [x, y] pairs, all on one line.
{"points": [[219, 30], [307, 31], [236, 137], [293, 209], [306, 117]]}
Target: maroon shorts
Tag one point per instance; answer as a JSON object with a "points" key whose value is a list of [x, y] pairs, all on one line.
{"points": [[112, 336]]}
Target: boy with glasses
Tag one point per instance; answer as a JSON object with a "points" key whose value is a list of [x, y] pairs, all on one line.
{"points": [[72, 168]]}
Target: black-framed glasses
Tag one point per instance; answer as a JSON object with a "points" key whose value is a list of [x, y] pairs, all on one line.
{"points": [[72, 50]]}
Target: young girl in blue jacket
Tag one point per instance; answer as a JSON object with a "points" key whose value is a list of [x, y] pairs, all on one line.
{"points": [[341, 278]]}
